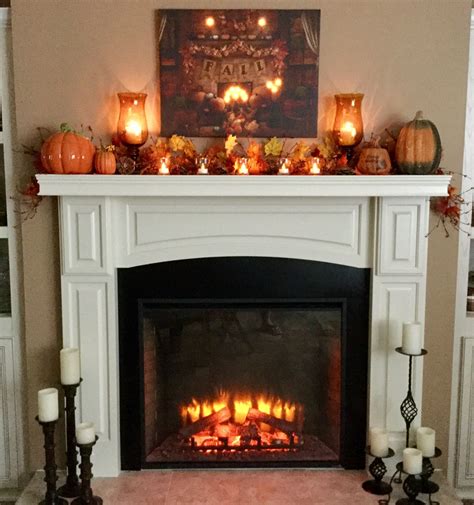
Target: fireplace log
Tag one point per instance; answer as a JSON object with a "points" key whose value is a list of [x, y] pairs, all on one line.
{"points": [[280, 424], [207, 422]]}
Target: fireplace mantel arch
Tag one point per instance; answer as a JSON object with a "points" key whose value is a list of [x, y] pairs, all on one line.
{"points": [[123, 221]]}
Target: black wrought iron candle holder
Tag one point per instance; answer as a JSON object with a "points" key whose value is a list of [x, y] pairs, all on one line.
{"points": [[51, 497], [428, 486], [86, 496], [412, 486], [408, 407], [378, 469], [72, 487]]}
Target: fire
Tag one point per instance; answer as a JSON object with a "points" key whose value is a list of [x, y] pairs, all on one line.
{"points": [[241, 421], [235, 94]]}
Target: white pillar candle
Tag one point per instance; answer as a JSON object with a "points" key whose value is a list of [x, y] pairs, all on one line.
{"points": [[85, 433], [412, 461], [48, 406], [425, 441], [378, 441], [411, 338], [70, 366]]}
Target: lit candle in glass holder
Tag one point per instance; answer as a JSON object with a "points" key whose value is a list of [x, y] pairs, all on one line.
{"points": [[348, 126], [243, 168], [284, 170], [315, 167], [132, 126], [164, 170], [202, 166]]}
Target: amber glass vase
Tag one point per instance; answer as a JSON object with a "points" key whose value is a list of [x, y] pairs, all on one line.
{"points": [[132, 127], [348, 126]]}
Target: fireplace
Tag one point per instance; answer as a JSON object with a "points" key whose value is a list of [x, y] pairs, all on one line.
{"points": [[371, 226], [243, 361]]}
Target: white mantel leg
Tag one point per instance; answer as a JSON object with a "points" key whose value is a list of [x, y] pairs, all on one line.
{"points": [[398, 295], [89, 305]]}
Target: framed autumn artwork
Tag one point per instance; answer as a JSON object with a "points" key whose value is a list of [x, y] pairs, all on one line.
{"points": [[250, 73]]}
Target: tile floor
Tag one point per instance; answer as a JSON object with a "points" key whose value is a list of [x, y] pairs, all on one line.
{"points": [[219, 487]]}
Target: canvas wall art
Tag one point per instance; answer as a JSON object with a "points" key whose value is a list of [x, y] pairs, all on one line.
{"points": [[251, 73]]}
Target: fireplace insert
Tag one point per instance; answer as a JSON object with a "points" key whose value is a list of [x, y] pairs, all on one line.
{"points": [[243, 362]]}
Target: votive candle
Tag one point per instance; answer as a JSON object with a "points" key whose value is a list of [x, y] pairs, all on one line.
{"points": [[202, 170], [315, 168], [85, 433], [378, 441], [164, 170], [412, 461], [284, 170], [48, 406], [411, 338], [70, 362], [425, 441]]}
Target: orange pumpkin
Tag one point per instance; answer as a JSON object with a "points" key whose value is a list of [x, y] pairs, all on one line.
{"points": [[104, 162], [67, 152]]}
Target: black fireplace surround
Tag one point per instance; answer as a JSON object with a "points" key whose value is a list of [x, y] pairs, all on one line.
{"points": [[245, 284]]}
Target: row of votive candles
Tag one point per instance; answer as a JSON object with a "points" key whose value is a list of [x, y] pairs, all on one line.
{"points": [[412, 458], [48, 399], [242, 167]]}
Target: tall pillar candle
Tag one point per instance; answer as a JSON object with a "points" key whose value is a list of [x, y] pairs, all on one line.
{"points": [[411, 338], [70, 366], [412, 461], [426, 441], [48, 406], [378, 441]]}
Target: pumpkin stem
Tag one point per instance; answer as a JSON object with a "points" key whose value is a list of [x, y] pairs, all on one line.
{"points": [[419, 115], [65, 128]]}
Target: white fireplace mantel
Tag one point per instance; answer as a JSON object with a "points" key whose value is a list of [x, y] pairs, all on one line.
{"points": [[111, 222]]}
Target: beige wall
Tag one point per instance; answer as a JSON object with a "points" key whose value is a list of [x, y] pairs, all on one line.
{"points": [[71, 57]]}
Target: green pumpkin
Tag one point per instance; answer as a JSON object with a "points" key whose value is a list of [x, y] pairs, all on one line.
{"points": [[418, 149]]}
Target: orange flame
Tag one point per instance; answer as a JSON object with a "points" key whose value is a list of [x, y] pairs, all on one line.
{"points": [[241, 409]]}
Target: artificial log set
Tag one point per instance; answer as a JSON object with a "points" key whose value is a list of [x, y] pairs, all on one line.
{"points": [[238, 426]]}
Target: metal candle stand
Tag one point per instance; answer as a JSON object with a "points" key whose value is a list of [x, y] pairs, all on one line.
{"points": [[86, 496], [378, 469], [413, 485], [51, 477], [72, 487]]}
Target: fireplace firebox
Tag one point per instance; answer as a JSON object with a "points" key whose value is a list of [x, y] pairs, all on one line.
{"points": [[243, 361]]}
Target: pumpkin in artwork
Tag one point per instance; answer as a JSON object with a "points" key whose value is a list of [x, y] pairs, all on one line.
{"points": [[104, 162], [373, 159], [418, 149], [67, 152]]}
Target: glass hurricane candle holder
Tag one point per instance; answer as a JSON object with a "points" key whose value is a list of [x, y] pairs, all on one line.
{"points": [[132, 127], [348, 126]]}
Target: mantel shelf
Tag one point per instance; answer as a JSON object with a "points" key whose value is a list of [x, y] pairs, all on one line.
{"points": [[243, 186]]}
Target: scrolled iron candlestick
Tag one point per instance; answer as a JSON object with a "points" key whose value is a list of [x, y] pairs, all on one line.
{"points": [[72, 487], [408, 408], [412, 486], [51, 497], [86, 496], [378, 469], [427, 486]]}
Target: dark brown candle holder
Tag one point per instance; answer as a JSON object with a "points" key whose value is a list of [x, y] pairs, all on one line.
{"points": [[72, 488], [51, 497], [377, 470], [86, 496]]}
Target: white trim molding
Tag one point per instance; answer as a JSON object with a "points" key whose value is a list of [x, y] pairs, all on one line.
{"points": [[111, 222]]}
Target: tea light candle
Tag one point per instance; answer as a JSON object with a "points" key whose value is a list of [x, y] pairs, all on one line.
{"points": [[425, 441], [133, 132], [85, 433], [202, 170], [378, 441], [284, 170], [315, 169], [411, 338], [347, 134], [243, 169], [164, 170], [412, 461], [48, 407], [70, 366]]}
